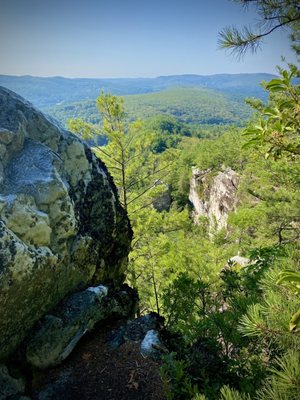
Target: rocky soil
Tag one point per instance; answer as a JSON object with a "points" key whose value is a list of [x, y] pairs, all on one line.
{"points": [[97, 370]]}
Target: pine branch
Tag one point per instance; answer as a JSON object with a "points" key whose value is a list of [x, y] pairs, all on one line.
{"points": [[240, 41]]}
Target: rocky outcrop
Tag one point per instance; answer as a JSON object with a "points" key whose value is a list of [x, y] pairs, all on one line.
{"points": [[62, 228], [213, 196]]}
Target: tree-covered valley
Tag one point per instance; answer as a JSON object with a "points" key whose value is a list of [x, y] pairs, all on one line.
{"points": [[62, 90], [150, 231], [227, 290], [188, 105], [212, 193]]}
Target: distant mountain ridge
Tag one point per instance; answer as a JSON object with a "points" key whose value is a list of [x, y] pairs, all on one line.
{"points": [[45, 92]]}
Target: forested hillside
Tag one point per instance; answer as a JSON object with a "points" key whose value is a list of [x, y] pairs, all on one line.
{"points": [[188, 105], [149, 227], [44, 92], [227, 292]]}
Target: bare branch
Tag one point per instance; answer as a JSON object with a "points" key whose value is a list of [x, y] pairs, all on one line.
{"points": [[108, 155]]}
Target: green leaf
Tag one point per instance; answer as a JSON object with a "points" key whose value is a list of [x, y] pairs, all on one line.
{"points": [[295, 322], [288, 276], [271, 111]]}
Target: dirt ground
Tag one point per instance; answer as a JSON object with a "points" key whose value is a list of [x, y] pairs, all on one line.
{"points": [[96, 372]]}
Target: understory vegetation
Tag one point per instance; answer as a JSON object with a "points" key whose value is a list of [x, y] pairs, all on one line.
{"points": [[233, 327]]}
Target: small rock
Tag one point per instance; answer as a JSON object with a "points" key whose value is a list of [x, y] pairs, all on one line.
{"points": [[135, 330], [152, 345]]}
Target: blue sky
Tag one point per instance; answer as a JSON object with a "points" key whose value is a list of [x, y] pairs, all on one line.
{"points": [[127, 38]]}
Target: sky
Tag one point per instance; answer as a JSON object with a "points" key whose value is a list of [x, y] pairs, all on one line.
{"points": [[127, 38]]}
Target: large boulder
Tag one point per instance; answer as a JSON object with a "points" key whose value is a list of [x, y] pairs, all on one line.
{"points": [[62, 228]]}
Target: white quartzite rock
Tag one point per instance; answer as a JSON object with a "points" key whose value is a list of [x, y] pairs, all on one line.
{"points": [[213, 196]]}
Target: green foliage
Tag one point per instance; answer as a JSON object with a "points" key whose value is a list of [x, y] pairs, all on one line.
{"points": [[278, 126], [87, 131], [199, 397], [284, 383], [189, 105], [270, 317], [156, 236], [184, 302], [269, 197], [292, 278], [230, 394], [177, 384], [167, 131], [128, 155], [228, 323], [213, 154]]}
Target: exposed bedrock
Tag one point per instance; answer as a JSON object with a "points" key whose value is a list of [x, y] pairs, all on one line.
{"points": [[213, 195], [62, 228]]}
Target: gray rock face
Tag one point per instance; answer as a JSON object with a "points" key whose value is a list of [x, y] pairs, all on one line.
{"points": [[61, 225], [213, 196]]}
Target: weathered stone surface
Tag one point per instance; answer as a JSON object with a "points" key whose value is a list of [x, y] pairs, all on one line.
{"points": [[61, 225], [213, 196], [59, 334], [60, 331]]}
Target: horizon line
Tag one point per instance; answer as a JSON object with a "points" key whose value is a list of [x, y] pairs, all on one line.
{"points": [[138, 77]]}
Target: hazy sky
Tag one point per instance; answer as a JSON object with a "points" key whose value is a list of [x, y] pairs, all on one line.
{"points": [[126, 38]]}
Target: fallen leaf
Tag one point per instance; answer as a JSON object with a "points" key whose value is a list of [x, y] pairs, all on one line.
{"points": [[86, 356]]}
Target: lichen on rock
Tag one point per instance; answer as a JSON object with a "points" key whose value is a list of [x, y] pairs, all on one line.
{"points": [[62, 228]]}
